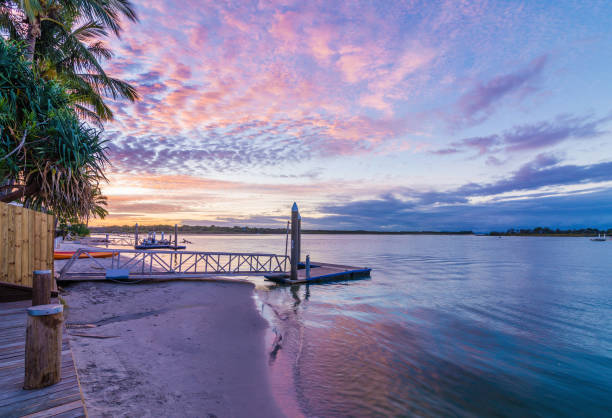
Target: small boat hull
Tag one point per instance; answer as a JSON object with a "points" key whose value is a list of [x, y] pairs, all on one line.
{"points": [[157, 247], [65, 255]]}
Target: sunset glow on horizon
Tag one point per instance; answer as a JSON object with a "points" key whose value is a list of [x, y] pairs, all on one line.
{"points": [[390, 115]]}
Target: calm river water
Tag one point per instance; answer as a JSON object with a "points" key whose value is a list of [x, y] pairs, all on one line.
{"points": [[447, 325]]}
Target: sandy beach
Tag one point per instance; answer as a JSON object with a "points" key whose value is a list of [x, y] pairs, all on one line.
{"points": [[181, 349]]}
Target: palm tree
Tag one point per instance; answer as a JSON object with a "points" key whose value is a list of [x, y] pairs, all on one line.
{"points": [[63, 40], [48, 157]]}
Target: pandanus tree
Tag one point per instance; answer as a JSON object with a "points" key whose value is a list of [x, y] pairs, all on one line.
{"points": [[48, 157], [63, 41]]}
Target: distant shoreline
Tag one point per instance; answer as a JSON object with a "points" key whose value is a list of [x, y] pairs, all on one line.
{"points": [[221, 230]]}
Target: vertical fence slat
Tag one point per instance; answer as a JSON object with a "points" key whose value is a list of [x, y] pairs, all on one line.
{"points": [[50, 240], [37, 238], [4, 243], [43, 240], [11, 244], [32, 239], [18, 246], [26, 273]]}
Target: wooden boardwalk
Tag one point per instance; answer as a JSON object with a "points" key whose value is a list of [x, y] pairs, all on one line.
{"points": [[63, 399]]}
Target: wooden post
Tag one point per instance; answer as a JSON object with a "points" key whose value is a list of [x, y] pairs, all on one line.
{"points": [[299, 239], [175, 235], [43, 352], [136, 235], [307, 267], [42, 283], [287, 238], [294, 241]]}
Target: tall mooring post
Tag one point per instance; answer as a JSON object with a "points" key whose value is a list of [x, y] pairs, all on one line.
{"points": [[136, 235], [175, 235], [299, 239], [295, 254]]}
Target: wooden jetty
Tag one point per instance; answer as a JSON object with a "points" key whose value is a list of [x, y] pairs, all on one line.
{"points": [[63, 399], [136, 265], [321, 272]]}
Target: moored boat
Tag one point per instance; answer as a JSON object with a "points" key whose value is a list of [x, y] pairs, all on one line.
{"points": [[600, 238], [151, 243]]}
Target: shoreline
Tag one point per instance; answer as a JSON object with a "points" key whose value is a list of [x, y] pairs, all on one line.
{"points": [[170, 349], [174, 348]]}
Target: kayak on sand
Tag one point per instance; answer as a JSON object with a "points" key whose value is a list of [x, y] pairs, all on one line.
{"points": [[64, 255]]}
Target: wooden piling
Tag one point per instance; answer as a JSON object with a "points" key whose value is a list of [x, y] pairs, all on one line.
{"points": [[175, 235], [294, 241], [43, 351], [42, 283], [299, 239], [136, 234]]}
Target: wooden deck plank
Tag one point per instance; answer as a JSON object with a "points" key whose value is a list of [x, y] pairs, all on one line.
{"points": [[25, 408], [72, 409], [63, 399], [16, 380], [17, 394]]}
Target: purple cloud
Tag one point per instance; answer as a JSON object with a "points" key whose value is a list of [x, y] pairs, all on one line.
{"points": [[593, 209], [478, 103], [544, 134], [541, 172], [409, 209], [531, 136]]}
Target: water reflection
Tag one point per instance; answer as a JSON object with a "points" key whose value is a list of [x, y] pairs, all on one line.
{"points": [[453, 329], [460, 326]]}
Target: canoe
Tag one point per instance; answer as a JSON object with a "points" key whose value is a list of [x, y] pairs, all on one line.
{"points": [[64, 255]]}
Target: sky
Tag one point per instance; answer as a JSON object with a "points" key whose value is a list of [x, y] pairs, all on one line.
{"points": [[381, 115]]}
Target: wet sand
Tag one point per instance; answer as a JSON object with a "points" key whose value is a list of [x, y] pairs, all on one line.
{"points": [[176, 349]]}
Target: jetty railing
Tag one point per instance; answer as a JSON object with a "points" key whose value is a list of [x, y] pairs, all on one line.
{"points": [[164, 262]]}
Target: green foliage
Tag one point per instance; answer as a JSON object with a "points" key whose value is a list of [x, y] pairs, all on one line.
{"points": [[212, 229], [73, 227], [53, 160], [543, 231], [64, 42]]}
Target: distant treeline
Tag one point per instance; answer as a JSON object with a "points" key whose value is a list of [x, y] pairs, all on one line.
{"points": [[540, 231], [197, 229], [212, 229]]}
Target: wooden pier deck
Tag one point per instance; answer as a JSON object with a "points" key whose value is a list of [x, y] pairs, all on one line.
{"points": [[321, 272], [63, 399]]}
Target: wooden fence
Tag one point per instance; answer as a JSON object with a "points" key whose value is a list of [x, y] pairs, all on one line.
{"points": [[26, 243]]}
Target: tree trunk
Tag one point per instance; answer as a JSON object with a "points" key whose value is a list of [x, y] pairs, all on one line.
{"points": [[32, 36]]}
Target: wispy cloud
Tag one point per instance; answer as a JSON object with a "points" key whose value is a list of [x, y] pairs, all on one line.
{"points": [[478, 103], [533, 136]]}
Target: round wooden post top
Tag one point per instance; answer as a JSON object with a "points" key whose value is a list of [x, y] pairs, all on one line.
{"points": [[44, 310], [294, 208], [42, 271]]}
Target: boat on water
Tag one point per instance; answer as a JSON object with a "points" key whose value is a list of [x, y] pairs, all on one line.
{"points": [[65, 255], [600, 238], [151, 243]]}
